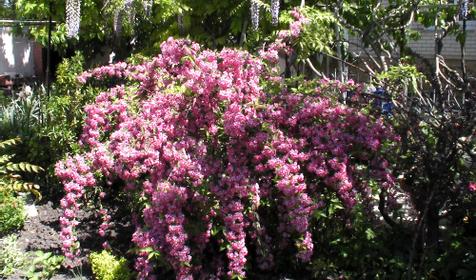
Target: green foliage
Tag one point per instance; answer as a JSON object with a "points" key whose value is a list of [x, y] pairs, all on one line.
{"points": [[92, 29], [318, 36], [213, 23], [354, 245], [66, 106], [35, 265], [106, 266], [48, 127], [401, 73], [11, 257], [64, 112], [6, 9], [432, 10], [64, 109], [39, 10], [12, 214], [458, 260], [21, 115], [402, 78], [44, 265], [10, 179], [445, 17]]}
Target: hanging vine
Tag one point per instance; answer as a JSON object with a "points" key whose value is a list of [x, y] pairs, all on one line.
{"points": [[73, 14], [257, 5], [73, 17], [254, 9], [274, 12]]}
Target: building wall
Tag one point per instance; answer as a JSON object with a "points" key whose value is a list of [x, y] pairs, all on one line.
{"points": [[17, 54], [425, 46]]}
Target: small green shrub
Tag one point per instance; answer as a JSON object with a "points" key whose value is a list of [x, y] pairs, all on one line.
{"points": [[64, 114], [44, 265], [106, 266], [12, 213], [11, 257], [65, 108]]}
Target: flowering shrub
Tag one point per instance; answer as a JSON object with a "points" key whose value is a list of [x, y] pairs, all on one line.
{"points": [[220, 162]]}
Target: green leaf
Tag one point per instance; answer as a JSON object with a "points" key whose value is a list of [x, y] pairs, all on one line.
{"points": [[370, 234]]}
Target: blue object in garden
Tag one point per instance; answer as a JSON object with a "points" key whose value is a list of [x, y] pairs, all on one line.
{"points": [[379, 91], [382, 101], [387, 108]]}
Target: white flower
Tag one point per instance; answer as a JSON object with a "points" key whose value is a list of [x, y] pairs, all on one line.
{"points": [[254, 14], [73, 17], [274, 12]]}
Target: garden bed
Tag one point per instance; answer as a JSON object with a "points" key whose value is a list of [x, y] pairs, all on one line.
{"points": [[41, 233]]}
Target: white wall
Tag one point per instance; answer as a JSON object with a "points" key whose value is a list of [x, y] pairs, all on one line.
{"points": [[16, 54]]}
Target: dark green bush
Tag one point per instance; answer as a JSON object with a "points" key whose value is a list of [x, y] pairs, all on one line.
{"points": [[12, 214]]}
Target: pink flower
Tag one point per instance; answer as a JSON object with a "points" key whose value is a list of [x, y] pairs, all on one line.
{"points": [[472, 186]]}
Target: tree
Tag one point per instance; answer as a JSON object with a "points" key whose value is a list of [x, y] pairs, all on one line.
{"points": [[140, 25], [434, 110], [7, 9]]}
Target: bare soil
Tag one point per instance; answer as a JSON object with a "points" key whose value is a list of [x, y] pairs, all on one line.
{"points": [[42, 233]]}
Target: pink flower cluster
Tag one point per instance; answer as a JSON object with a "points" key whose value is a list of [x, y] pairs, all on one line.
{"points": [[297, 25], [203, 144], [119, 70], [75, 174], [105, 218], [472, 186], [285, 38]]}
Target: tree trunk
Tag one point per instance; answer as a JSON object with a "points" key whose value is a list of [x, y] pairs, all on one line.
{"points": [[432, 231]]}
